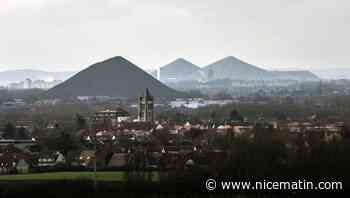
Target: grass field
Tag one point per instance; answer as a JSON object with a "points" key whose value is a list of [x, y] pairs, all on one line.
{"points": [[58, 176], [101, 176]]}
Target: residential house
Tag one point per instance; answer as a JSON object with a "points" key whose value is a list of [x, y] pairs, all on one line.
{"points": [[22, 166], [50, 159], [118, 160], [114, 116]]}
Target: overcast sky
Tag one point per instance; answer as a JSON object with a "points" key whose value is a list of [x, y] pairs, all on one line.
{"points": [[72, 34]]}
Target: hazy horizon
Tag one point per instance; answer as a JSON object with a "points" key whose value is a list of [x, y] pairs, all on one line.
{"points": [[80, 68], [62, 35]]}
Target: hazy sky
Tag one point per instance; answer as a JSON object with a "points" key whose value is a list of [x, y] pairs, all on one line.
{"points": [[72, 34]]}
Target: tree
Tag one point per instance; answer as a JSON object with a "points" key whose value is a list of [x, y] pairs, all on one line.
{"points": [[196, 93], [193, 133], [80, 122], [236, 116], [346, 132], [63, 142], [213, 116], [66, 142], [222, 95], [22, 133], [162, 136], [281, 116], [9, 131]]}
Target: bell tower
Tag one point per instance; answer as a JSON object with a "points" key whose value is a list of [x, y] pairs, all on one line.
{"points": [[146, 104]]}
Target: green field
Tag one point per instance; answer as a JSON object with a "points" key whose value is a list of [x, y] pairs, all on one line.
{"points": [[101, 176], [58, 176]]}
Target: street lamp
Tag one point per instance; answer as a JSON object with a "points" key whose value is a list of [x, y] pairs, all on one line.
{"points": [[94, 142]]}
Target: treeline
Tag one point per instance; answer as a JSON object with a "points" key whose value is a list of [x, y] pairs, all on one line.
{"points": [[45, 114], [327, 109], [29, 95], [10, 131], [273, 155]]}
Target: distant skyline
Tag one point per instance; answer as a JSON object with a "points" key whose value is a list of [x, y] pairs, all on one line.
{"points": [[65, 35]]}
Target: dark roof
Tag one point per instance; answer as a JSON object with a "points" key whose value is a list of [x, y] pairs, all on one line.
{"points": [[51, 155], [10, 158], [136, 126], [10, 149]]}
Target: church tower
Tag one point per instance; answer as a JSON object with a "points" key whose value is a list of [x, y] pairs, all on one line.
{"points": [[146, 104]]}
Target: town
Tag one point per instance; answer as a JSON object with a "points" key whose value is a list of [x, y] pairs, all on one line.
{"points": [[114, 139]]}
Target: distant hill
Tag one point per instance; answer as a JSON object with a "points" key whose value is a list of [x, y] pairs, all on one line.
{"points": [[115, 77], [229, 68], [233, 69], [11, 76], [151, 72], [178, 70], [296, 75], [333, 73]]}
